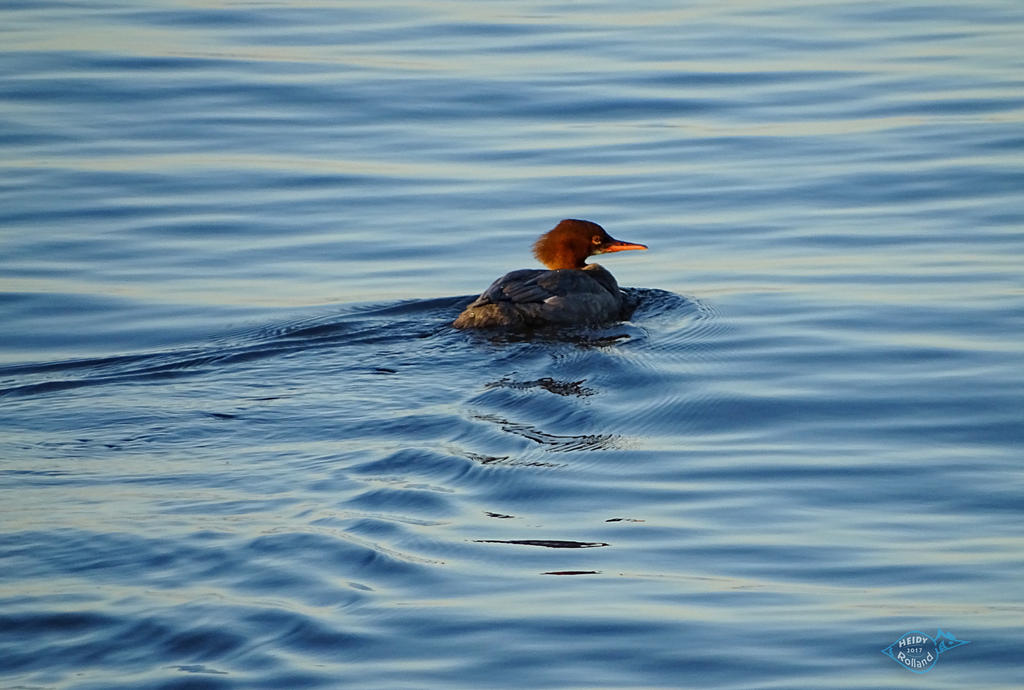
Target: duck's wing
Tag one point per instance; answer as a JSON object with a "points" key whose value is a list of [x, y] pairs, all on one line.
{"points": [[537, 297], [532, 285]]}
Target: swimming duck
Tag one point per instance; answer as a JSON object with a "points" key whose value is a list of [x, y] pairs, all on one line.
{"points": [[570, 292]]}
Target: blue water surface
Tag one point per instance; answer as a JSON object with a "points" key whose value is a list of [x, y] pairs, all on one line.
{"points": [[242, 447]]}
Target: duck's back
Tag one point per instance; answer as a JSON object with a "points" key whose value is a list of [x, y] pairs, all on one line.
{"points": [[537, 297]]}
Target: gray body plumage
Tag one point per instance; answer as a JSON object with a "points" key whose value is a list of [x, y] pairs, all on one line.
{"points": [[538, 297]]}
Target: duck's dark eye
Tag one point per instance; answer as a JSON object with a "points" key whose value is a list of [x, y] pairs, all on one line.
{"points": [[597, 239]]}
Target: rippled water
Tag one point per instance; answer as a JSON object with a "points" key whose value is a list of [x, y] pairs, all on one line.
{"points": [[241, 447]]}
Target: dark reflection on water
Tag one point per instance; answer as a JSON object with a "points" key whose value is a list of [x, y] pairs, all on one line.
{"points": [[553, 442], [575, 388], [241, 445], [547, 543], [573, 572]]}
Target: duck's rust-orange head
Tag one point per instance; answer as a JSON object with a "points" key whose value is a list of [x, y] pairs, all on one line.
{"points": [[570, 242]]}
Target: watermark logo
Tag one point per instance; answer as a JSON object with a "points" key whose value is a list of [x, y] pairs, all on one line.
{"points": [[918, 652]]}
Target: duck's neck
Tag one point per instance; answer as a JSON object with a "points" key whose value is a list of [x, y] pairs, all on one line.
{"points": [[563, 260]]}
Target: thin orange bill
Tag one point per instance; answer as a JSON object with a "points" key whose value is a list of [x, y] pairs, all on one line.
{"points": [[619, 246]]}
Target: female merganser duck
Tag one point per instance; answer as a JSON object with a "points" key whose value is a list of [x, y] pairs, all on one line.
{"points": [[572, 292]]}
